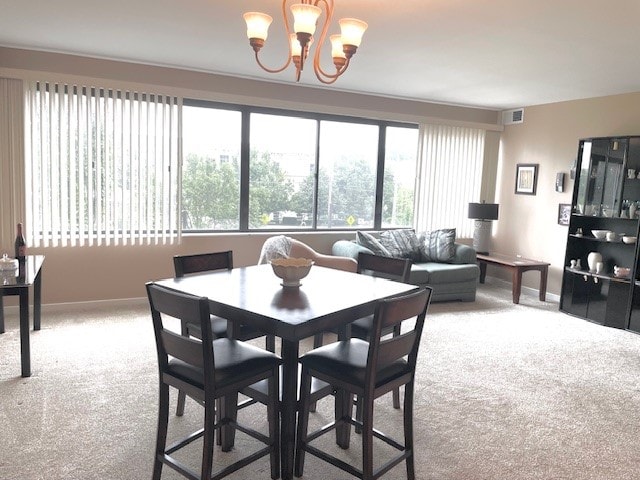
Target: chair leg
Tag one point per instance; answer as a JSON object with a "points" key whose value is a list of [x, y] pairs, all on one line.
{"points": [[270, 343], [358, 428], [367, 439], [303, 422], [163, 425], [396, 398], [318, 340], [230, 411], [181, 401], [408, 430], [343, 410], [273, 413], [181, 395], [208, 440]]}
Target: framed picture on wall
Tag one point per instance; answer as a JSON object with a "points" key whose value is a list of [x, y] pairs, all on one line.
{"points": [[564, 213], [526, 178]]}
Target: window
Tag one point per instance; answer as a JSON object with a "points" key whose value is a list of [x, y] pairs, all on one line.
{"points": [[296, 172], [281, 171], [347, 182], [210, 168], [401, 147], [101, 166]]}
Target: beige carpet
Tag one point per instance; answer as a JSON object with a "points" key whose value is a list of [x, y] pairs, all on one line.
{"points": [[503, 392]]}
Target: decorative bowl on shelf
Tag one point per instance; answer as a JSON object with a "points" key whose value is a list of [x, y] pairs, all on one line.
{"points": [[600, 234], [627, 239], [291, 270], [621, 272]]}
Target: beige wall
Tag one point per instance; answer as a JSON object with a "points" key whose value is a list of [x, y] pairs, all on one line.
{"points": [[549, 136], [102, 273]]}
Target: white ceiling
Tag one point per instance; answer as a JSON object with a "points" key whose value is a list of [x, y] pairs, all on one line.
{"points": [[494, 53]]}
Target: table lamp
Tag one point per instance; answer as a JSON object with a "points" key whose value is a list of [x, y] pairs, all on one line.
{"points": [[484, 214]]}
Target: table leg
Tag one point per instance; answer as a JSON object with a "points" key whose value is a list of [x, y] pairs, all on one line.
{"points": [[1, 313], [517, 284], [483, 271], [289, 407], [37, 288], [543, 283], [25, 352]]}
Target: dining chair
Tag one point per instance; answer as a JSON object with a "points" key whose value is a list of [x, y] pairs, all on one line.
{"points": [[208, 369], [367, 370], [207, 262], [397, 269]]}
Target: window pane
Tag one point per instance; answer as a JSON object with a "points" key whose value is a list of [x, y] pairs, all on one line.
{"points": [[401, 150], [281, 171], [211, 169], [347, 183]]}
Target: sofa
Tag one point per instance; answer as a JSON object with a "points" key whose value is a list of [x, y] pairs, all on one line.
{"points": [[454, 279]]}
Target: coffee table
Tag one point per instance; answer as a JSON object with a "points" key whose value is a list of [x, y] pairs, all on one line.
{"points": [[18, 283], [517, 265]]}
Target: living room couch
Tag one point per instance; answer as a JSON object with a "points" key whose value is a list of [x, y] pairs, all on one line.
{"points": [[456, 279]]}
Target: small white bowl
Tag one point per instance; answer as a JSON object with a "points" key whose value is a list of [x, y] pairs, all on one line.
{"points": [[601, 234], [621, 272], [627, 239], [291, 270]]}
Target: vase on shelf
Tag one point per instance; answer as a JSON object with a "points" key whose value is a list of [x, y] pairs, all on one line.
{"points": [[592, 260]]}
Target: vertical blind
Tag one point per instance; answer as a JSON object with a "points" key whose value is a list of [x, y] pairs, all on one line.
{"points": [[449, 176], [102, 166]]}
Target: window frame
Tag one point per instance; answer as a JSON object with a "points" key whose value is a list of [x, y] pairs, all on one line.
{"points": [[245, 152]]}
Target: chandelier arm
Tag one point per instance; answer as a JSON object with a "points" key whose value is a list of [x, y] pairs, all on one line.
{"points": [[272, 70], [332, 78], [317, 68]]}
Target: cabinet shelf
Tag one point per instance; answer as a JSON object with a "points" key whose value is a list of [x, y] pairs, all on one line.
{"points": [[602, 240], [602, 276]]}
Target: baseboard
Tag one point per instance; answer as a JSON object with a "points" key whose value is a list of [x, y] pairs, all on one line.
{"points": [[79, 306], [533, 292]]}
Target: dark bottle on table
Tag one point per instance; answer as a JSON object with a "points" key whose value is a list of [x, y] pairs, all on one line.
{"points": [[20, 245]]}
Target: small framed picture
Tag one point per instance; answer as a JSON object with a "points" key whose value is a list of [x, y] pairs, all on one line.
{"points": [[526, 178], [564, 213]]}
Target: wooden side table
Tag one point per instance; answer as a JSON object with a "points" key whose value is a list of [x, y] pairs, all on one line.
{"points": [[518, 266]]}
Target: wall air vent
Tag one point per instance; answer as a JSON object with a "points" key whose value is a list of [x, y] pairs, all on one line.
{"points": [[509, 117]]}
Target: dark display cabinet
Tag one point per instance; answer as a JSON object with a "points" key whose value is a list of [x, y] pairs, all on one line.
{"points": [[603, 230]]}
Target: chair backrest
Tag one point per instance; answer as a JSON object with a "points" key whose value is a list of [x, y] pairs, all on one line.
{"points": [[187, 308], [386, 267], [202, 262], [390, 313]]}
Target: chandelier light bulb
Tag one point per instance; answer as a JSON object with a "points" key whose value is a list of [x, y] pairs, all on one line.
{"points": [[305, 18], [352, 30], [257, 25]]}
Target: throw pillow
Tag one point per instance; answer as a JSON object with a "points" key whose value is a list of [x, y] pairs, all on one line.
{"points": [[439, 245], [367, 240], [402, 243]]}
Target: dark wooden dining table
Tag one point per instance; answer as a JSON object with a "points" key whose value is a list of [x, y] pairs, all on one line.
{"points": [[327, 299]]}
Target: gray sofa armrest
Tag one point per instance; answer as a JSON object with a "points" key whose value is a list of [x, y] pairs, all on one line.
{"points": [[464, 254], [347, 248]]}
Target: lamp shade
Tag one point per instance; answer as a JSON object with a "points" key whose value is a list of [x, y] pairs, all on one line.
{"points": [[483, 211]]}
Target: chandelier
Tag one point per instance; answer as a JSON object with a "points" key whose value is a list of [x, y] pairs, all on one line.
{"points": [[305, 20]]}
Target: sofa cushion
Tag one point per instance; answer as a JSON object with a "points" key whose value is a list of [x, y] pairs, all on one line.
{"points": [[402, 243], [367, 240], [435, 273], [439, 245]]}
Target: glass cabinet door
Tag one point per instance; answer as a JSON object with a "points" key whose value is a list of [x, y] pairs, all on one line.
{"points": [[601, 172]]}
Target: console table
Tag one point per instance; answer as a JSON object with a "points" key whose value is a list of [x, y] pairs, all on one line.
{"points": [[518, 266], [17, 282]]}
